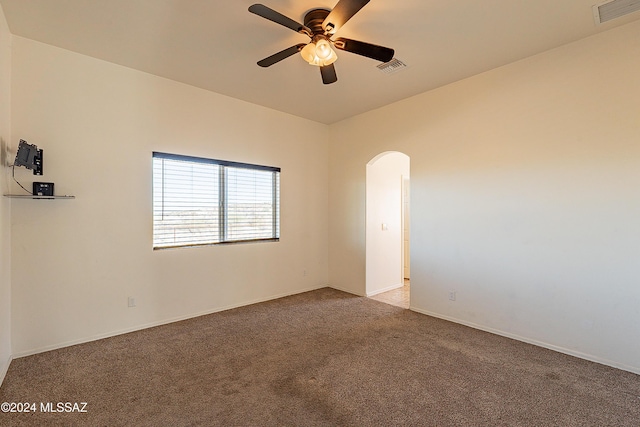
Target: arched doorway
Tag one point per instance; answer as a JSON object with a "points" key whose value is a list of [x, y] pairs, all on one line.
{"points": [[387, 227]]}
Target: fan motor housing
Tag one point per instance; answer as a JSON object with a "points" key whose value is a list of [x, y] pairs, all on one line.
{"points": [[314, 19]]}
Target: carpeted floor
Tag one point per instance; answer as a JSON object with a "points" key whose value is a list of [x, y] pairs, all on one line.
{"points": [[319, 358]]}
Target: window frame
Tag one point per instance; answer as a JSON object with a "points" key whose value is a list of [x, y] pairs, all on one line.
{"points": [[223, 206]]}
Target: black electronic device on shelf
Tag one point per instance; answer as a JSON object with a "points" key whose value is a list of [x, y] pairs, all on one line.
{"points": [[43, 188], [29, 156]]}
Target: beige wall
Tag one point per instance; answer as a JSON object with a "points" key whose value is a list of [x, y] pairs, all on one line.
{"points": [[5, 203], [525, 197], [75, 262]]}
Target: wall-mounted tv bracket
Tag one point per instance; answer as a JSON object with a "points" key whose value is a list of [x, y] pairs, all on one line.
{"points": [[29, 156]]}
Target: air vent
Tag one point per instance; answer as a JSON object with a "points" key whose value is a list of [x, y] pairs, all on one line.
{"points": [[393, 66], [607, 11]]}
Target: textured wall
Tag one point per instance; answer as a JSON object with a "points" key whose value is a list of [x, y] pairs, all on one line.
{"points": [[75, 262], [525, 195], [6, 157]]}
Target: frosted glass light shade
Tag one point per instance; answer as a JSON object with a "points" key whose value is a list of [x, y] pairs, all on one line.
{"points": [[309, 52], [320, 54]]}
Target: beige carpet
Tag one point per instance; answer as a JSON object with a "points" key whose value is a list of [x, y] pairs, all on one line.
{"points": [[319, 358]]}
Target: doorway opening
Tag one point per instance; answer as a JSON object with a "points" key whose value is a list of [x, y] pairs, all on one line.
{"points": [[388, 268]]}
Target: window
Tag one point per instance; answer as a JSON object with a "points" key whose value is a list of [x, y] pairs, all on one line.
{"points": [[200, 201]]}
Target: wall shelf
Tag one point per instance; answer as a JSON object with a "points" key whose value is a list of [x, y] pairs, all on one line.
{"points": [[28, 196]]}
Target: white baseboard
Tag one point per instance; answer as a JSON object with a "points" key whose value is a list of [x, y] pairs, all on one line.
{"points": [[387, 289], [589, 357], [154, 324], [4, 369], [349, 291]]}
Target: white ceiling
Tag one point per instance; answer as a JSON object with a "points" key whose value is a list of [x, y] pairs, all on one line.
{"points": [[215, 45]]}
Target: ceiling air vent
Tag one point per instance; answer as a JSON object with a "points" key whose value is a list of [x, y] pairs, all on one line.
{"points": [[607, 11], [393, 66]]}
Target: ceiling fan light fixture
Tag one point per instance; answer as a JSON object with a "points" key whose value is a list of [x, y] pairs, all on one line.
{"points": [[320, 54]]}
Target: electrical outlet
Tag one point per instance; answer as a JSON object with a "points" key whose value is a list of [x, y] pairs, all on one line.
{"points": [[131, 302], [304, 272], [452, 295]]}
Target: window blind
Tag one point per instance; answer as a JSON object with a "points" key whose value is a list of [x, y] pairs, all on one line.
{"points": [[199, 201]]}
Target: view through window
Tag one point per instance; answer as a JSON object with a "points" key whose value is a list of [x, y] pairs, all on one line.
{"points": [[198, 201]]}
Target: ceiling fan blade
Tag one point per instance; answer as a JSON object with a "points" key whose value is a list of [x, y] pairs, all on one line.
{"points": [[278, 18], [373, 51], [328, 74], [341, 13], [283, 54]]}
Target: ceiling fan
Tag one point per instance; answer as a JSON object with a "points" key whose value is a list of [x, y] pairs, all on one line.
{"points": [[320, 25]]}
